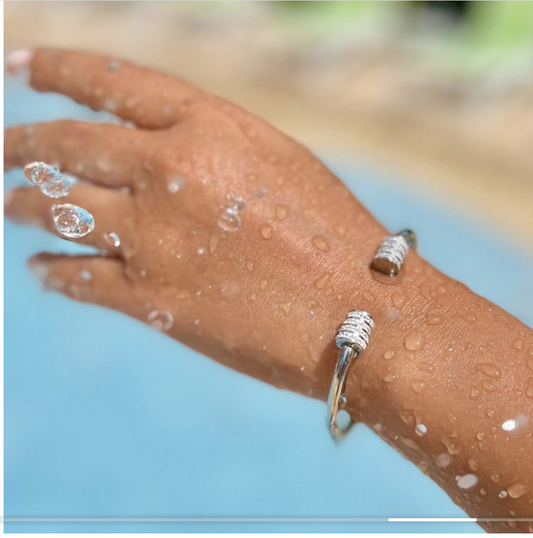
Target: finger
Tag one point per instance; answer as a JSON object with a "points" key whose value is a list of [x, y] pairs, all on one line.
{"points": [[91, 279], [106, 154], [148, 98], [113, 212]]}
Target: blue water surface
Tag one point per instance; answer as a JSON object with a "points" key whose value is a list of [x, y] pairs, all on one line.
{"points": [[103, 418]]}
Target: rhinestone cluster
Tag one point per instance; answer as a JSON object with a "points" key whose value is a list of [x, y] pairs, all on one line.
{"points": [[355, 330]]}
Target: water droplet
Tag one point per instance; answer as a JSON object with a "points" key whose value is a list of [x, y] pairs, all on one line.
{"points": [[110, 105], [432, 318], [282, 211], [474, 394], [513, 424], [389, 378], [495, 477], [343, 419], [263, 284], [509, 425], [421, 429], [426, 367], [236, 204], [321, 282], [480, 436], [443, 460], [113, 65], [86, 275], [398, 299], [518, 344], [285, 308], [388, 354], [266, 231], [161, 320], [414, 340], [472, 464], [229, 221], [48, 178], [451, 446], [320, 243], [369, 296], [409, 442], [39, 172], [213, 243], [488, 385], [72, 221], [250, 265], [56, 187], [407, 417], [113, 239], [482, 491], [517, 490], [201, 251], [176, 185], [467, 481], [489, 369], [490, 413], [418, 385], [261, 192]]}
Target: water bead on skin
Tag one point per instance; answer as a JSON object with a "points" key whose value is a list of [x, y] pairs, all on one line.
{"points": [[230, 221], [443, 460], [235, 204], [421, 429], [57, 187], [113, 65], [176, 185], [467, 481], [266, 231], [72, 221], [113, 239], [37, 173], [161, 320], [50, 180], [515, 423], [517, 489], [86, 275]]}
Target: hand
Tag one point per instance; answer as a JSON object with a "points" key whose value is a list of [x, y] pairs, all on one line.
{"points": [[267, 297], [262, 287]]}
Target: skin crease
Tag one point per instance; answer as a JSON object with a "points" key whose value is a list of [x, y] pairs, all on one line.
{"points": [[267, 299]]}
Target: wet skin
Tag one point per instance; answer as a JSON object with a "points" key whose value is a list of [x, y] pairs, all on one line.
{"points": [[267, 298]]}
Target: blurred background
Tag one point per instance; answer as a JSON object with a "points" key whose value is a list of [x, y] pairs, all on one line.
{"points": [[424, 109], [439, 92]]}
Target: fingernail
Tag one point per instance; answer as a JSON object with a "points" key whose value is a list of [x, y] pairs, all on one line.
{"points": [[18, 61]]}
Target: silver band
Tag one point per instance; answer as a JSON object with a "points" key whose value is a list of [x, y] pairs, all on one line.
{"points": [[392, 251], [352, 338]]}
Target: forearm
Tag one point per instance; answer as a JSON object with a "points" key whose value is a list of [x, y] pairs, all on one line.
{"points": [[451, 362], [440, 357]]}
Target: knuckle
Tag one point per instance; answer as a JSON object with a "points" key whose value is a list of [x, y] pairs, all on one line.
{"points": [[164, 160]]}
